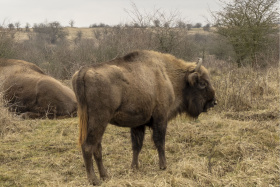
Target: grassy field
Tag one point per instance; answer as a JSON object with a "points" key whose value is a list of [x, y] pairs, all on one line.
{"points": [[235, 144]]}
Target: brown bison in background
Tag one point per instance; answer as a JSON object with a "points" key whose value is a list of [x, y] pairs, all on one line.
{"points": [[30, 92], [143, 88]]}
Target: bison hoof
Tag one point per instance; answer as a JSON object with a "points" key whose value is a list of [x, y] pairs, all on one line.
{"points": [[135, 166], [104, 177], [95, 182], [162, 166]]}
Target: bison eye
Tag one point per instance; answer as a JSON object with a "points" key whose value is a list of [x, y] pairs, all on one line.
{"points": [[202, 85]]}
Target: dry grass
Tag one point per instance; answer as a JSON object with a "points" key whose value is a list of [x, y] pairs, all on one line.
{"points": [[7, 123], [232, 145], [213, 151]]}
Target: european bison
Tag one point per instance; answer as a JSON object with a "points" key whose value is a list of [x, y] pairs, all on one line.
{"points": [[32, 93], [143, 88]]}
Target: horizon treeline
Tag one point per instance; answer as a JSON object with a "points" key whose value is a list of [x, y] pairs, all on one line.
{"points": [[50, 47]]}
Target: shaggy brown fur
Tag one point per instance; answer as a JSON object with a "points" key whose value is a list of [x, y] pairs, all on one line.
{"points": [[32, 93], [143, 88]]}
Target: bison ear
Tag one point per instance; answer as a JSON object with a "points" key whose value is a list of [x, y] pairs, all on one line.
{"points": [[192, 78]]}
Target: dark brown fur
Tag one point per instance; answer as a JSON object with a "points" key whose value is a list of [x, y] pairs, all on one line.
{"points": [[143, 88], [33, 94]]}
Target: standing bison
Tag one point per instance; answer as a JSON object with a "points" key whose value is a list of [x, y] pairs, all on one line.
{"points": [[32, 93], [143, 88]]}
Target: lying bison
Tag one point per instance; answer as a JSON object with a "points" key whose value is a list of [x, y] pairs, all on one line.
{"points": [[33, 94], [143, 88]]}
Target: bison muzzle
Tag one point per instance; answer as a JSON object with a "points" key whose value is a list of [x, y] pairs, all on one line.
{"points": [[143, 88]]}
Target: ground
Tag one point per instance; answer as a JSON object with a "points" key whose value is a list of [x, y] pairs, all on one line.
{"points": [[218, 149]]}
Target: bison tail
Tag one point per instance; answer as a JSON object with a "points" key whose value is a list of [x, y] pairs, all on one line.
{"points": [[83, 120], [80, 92]]}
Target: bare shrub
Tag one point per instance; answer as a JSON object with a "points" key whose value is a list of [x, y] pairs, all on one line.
{"points": [[55, 60], [7, 124], [219, 47], [83, 53], [6, 43], [51, 32], [167, 30], [79, 36], [243, 89]]}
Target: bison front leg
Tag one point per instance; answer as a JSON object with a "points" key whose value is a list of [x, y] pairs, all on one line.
{"points": [[137, 137], [159, 131]]}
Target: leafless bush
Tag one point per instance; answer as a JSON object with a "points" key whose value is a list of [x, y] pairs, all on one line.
{"points": [[169, 31], [120, 40], [243, 89], [6, 42], [7, 124], [79, 36], [51, 32]]}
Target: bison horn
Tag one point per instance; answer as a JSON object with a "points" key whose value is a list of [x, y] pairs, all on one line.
{"points": [[199, 62]]}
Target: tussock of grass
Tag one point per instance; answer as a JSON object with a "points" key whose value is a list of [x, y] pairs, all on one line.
{"points": [[7, 123], [11, 124]]}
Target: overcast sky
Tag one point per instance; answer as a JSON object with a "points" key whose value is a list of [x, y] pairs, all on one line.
{"points": [[87, 12]]}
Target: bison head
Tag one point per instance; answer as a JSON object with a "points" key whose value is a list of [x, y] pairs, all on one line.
{"points": [[199, 93]]}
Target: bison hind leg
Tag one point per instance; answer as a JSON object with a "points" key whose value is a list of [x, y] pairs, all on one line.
{"points": [[92, 147], [87, 150], [137, 138], [98, 159]]}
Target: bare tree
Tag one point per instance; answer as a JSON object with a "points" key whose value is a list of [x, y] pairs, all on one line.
{"points": [[71, 23], [157, 23], [181, 24], [248, 25], [189, 26], [11, 26], [197, 25], [137, 17], [206, 27], [17, 25], [27, 27]]}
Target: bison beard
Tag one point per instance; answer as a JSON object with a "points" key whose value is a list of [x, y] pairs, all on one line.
{"points": [[143, 88], [195, 105]]}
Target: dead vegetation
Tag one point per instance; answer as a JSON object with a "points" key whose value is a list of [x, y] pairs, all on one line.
{"points": [[6, 121], [235, 144], [10, 123]]}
